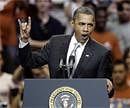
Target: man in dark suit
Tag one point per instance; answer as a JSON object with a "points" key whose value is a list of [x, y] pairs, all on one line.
{"points": [[89, 58]]}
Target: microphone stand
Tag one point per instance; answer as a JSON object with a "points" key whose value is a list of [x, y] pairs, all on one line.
{"points": [[66, 69], [70, 66], [62, 70]]}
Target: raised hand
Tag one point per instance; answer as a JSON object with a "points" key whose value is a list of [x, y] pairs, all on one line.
{"points": [[25, 28]]}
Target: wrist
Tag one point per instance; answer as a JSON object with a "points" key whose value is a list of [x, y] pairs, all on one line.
{"points": [[24, 39]]}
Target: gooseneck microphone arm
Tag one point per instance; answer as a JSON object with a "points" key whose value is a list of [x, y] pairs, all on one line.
{"points": [[62, 69], [70, 65], [66, 69]]}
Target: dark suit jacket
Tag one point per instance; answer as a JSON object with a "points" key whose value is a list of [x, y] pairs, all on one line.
{"points": [[95, 62]]}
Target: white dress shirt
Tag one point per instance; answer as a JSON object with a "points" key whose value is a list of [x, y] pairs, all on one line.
{"points": [[79, 50], [22, 44]]}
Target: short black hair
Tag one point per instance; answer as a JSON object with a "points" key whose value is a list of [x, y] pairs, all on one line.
{"points": [[126, 53], [118, 62], [83, 10], [100, 8], [120, 4]]}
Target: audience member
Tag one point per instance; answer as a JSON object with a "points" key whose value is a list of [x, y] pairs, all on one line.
{"points": [[8, 16], [106, 38], [44, 25], [119, 75], [69, 7], [121, 27], [127, 62], [9, 85], [17, 99]]}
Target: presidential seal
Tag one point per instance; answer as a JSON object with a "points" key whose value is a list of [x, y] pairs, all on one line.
{"points": [[65, 97]]}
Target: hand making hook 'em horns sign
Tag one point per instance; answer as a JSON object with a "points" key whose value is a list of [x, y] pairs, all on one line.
{"points": [[25, 27]]}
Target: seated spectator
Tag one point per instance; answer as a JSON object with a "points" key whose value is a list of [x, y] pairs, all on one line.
{"points": [[69, 7], [108, 39], [126, 58], [17, 98], [8, 83], [121, 26], [13, 10], [43, 25], [119, 75]]}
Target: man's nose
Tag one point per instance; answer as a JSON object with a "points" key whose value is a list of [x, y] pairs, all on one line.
{"points": [[85, 28]]}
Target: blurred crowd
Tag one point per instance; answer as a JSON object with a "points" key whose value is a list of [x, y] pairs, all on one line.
{"points": [[53, 17]]}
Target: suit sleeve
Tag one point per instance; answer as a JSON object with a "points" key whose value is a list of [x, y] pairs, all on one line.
{"points": [[33, 59], [105, 66], [105, 69]]}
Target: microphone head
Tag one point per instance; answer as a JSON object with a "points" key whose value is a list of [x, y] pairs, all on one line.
{"points": [[72, 58], [71, 61], [61, 63]]}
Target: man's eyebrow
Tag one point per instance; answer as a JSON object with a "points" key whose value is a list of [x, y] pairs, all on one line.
{"points": [[90, 24]]}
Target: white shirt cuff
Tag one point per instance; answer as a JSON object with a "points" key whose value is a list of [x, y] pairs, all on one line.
{"points": [[22, 44]]}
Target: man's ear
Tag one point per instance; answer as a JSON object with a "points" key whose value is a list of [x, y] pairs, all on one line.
{"points": [[93, 26]]}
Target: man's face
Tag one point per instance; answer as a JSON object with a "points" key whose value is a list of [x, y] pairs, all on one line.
{"points": [[101, 18], [124, 14], [43, 5], [83, 26], [119, 74]]}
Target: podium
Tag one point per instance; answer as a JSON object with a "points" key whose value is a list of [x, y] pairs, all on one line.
{"points": [[39, 93]]}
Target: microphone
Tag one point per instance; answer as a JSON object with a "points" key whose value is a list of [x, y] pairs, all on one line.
{"points": [[71, 61], [62, 68], [61, 63], [71, 64]]}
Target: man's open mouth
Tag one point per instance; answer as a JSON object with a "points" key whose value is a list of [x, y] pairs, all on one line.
{"points": [[84, 35]]}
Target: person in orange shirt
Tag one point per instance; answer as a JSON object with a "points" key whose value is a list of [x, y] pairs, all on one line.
{"points": [[108, 39], [119, 76], [13, 10], [126, 58]]}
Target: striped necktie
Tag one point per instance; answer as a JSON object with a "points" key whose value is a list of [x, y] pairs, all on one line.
{"points": [[73, 60]]}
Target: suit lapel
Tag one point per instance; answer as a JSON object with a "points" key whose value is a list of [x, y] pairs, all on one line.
{"points": [[85, 57], [65, 46]]}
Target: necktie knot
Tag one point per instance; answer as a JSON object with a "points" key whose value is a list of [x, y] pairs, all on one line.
{"points": [[73, 53]]}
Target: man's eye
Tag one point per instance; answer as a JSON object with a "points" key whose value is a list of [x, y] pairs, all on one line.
{"points": [[81, 23], [90, 24]]}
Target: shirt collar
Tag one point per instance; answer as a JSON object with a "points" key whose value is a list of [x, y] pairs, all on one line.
{"points": [[74, 41]]}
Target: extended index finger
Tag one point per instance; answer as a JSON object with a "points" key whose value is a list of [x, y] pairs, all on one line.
{"points": [[19, 21], [29, 21]]}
